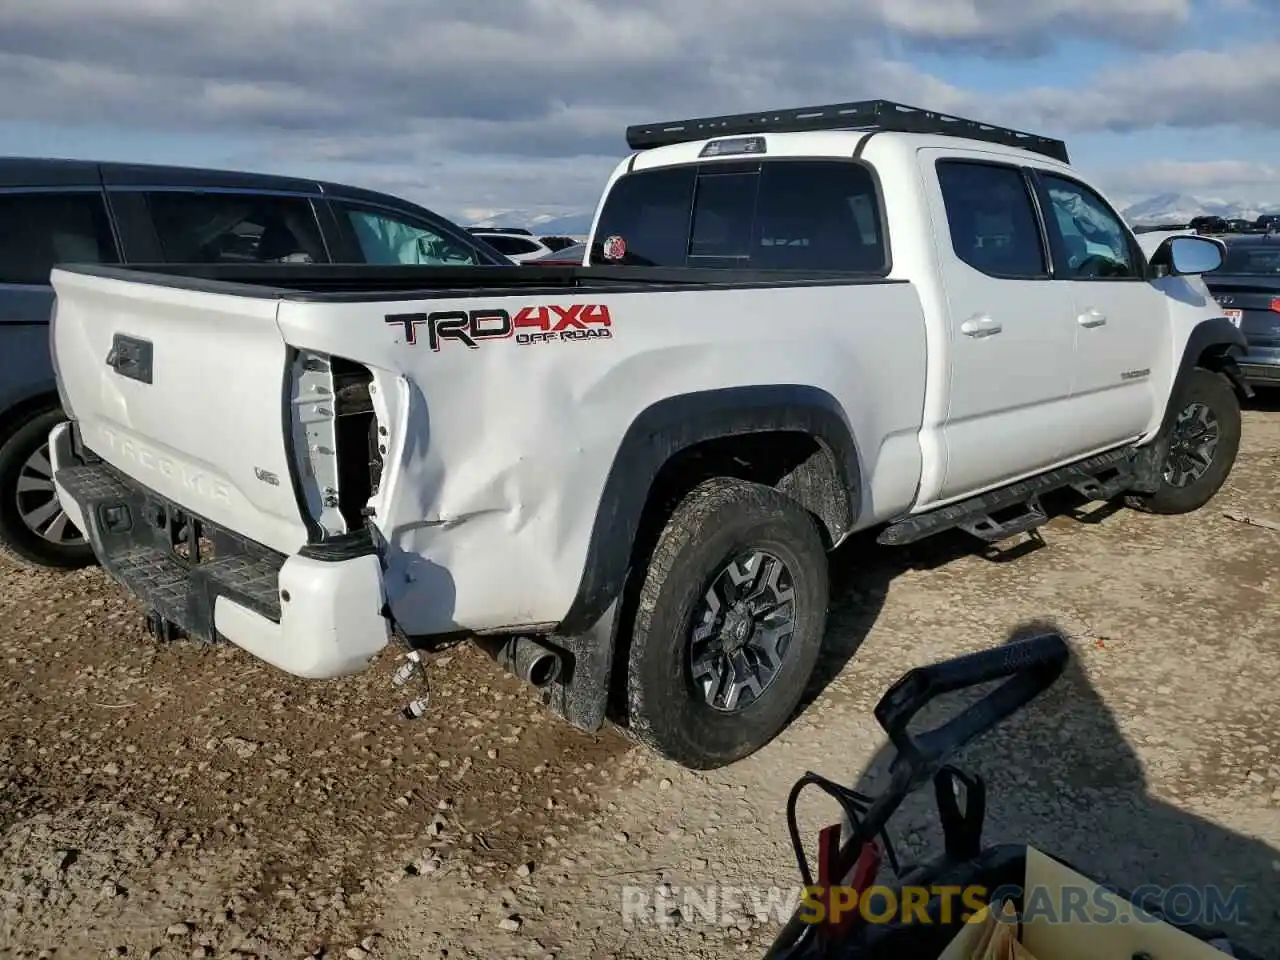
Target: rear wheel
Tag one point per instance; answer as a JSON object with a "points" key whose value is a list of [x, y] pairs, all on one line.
{"points": [[34, 529], [1203, 444], [728, 626]]}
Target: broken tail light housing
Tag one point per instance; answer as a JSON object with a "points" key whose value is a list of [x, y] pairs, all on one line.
{"points": [[336, 442], [360, 447]]}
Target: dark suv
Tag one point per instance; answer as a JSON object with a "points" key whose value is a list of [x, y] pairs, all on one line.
{"points": [[67, 211]]}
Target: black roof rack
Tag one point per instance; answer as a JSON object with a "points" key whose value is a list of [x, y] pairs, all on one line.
{"points": [[860, 114], [514, 231]]}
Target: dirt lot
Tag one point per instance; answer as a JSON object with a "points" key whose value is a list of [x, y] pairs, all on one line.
{"points": [[184, 801]]}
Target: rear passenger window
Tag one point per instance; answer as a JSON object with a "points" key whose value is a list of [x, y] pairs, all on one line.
{"points": [[992, 221], [235, 228], [39, 230]]}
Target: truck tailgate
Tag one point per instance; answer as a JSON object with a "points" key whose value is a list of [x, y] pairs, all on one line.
{"points": [[183, 390]]}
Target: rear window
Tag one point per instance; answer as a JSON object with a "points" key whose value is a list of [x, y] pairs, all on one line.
{"points": [[1250, 261], [802, 215], [723, 217], [39, 230], [651, 211]]}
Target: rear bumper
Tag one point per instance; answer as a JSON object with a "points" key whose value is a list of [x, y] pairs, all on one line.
{"points": [[1260, 365], [311, 616]]}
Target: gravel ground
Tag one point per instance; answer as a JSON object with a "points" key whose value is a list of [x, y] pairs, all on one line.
{"points": [[182, 801]]}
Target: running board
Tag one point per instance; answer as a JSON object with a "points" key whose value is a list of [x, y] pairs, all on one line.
{"points": [[986, 527], [1099, 477]]}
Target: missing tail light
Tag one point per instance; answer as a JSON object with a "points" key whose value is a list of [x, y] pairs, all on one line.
{"points": [[336, 440], [358, 442]]}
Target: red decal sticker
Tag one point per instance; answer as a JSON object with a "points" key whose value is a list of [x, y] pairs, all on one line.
{"points": [[568, 316], [470, 328], [597, 313], [532, 317], [614, 248]]}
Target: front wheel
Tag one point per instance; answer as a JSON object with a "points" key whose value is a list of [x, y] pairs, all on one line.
{"points": [[728, 626], [1203, 444]]}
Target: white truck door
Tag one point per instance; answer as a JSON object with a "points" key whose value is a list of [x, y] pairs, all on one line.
{"points": [[1122, 320], [1012, 331]]}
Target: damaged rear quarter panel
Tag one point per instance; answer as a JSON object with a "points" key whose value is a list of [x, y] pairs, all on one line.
{"points": [[497, 454]]}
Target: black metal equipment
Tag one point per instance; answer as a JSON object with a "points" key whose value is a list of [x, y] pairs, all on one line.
{"points": [[856, 115], [1026, 667]]}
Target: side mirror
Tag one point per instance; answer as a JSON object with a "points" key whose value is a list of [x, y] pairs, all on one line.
{"points": [[1184, 255]]}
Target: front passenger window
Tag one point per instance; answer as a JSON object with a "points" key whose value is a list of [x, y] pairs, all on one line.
{"points": [[1090, 243], [387, 239]]}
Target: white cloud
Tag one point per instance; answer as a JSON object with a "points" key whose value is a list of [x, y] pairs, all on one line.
{"points": [[379, 65], [1174, 176], [1191, 89], [523, 103], [1012, 25]]}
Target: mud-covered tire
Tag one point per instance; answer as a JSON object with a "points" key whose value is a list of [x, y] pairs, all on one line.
{"points": [[19, 543], [718, 521], [1204, 390]]}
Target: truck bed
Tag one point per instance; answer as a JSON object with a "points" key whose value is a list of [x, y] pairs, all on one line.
{"points": [[483, 460], [375, 282]]}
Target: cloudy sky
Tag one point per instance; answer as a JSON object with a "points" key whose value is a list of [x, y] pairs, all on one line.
{"points": [[474, 106]]}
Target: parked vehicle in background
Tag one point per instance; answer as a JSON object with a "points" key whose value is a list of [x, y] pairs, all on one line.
{"points": [[1207, 224], [1268, 222], [558, 243], [67, 211], [1247, 287], [1236, 225], [797, 325], [514, 231], [1150, 240], [1142, 228], [515, 243], [570, 256]]}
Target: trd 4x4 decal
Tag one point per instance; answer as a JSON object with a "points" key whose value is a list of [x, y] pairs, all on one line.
{"points": [[549, 324]]}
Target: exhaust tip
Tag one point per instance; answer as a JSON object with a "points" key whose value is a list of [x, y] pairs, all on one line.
{"points": [[544, 669], [535, 663]]}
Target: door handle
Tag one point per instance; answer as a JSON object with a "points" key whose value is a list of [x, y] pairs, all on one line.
{"points": [[980, 326], [1091, 318]]}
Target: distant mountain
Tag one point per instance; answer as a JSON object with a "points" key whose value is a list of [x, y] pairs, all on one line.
{"points": [[569, 225], [1181, 207]]}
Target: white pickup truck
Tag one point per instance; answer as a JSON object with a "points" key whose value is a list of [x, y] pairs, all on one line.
{"points": [[625, 478]]}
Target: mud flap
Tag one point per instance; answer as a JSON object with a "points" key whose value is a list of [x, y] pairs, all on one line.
{"points": [[581, 693], [1148, 462]]}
